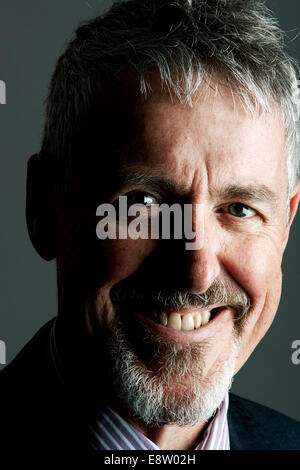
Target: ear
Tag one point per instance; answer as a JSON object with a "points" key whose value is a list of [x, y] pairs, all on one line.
{"points": [[40, 214], [293, 204]]}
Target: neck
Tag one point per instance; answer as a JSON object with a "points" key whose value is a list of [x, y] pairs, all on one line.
{"points": [[169, 436]]}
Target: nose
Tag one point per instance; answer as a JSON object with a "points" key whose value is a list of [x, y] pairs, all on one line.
{"points": [[201, 268], [200, 258], [172, 265]]}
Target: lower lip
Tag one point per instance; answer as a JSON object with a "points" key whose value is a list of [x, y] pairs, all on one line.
{"points": [[188, 336]]}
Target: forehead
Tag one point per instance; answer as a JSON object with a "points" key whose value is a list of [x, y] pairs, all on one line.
{"points": [[214, 139]]}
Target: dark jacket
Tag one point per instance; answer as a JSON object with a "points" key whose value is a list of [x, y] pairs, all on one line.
{"points": [[37, 412]]}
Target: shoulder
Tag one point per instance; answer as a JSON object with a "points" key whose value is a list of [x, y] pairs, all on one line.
{"points": [[25, 385], [33, 405], [29, 362], [256, 427]]}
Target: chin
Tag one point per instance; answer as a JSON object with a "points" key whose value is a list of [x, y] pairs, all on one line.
{"points": [[174, 388]]}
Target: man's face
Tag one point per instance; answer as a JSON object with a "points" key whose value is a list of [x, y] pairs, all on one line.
{"points": [[233, 166]]}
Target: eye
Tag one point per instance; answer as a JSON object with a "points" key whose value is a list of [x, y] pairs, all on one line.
{"points": [[139, 197], [237, 209]]}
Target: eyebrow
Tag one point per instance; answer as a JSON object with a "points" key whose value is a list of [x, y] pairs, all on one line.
{"points": [[251, 192], [124, 178]]}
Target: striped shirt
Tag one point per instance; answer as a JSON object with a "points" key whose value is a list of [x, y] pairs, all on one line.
{"points": [[109, 431]]}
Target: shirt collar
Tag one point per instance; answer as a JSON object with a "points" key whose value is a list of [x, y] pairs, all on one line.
{"points": [[109, 431]]}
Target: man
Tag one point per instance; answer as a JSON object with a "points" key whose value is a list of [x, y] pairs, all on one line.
{"points": [[185, 102]]}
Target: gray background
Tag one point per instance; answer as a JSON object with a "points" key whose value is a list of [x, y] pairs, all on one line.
{"points": [[33, 33]]}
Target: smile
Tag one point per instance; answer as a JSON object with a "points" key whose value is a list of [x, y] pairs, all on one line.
{"points": [[185, 321]]}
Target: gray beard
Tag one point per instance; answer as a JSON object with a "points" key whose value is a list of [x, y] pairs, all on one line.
{"points": [[170, 386]]}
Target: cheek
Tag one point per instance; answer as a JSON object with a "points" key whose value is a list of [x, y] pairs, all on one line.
{"points": [[255, 263], [125, 257], [257, 268]]}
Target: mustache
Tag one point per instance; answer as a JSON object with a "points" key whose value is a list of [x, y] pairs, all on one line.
{"points": [[136, 295]]}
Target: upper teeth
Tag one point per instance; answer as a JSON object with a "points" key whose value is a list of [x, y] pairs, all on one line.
{"points": [[184, 322]]}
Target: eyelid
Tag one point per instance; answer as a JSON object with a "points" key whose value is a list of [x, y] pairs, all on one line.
{"points": [[224, 209], [153, 194]]}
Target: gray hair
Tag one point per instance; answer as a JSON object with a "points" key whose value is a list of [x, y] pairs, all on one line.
{"points": [[237, 42]]}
